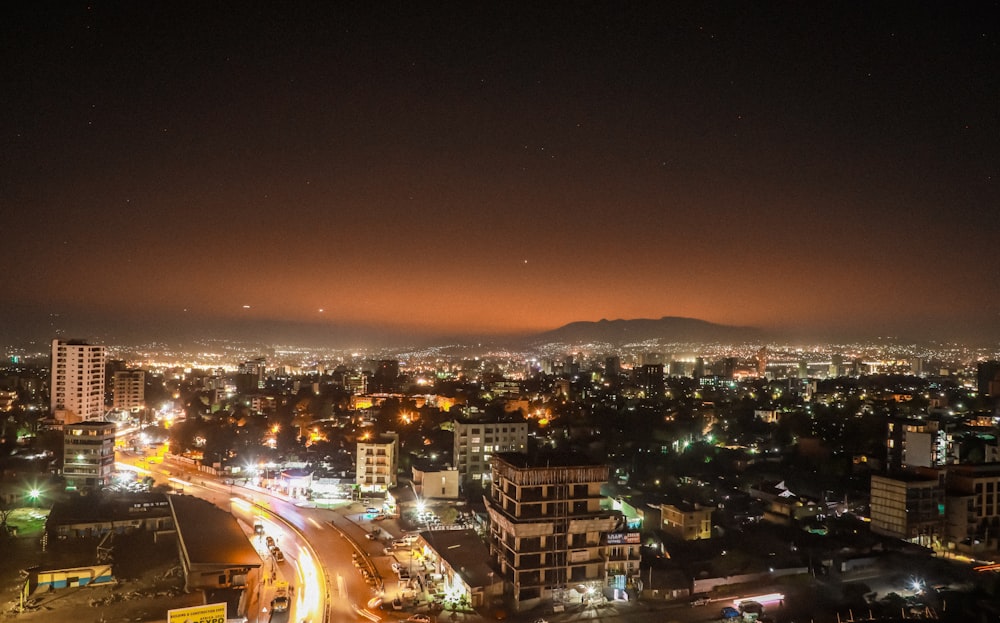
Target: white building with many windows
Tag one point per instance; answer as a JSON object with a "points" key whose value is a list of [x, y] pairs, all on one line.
{"points": [[378, 460], [77, 389]]}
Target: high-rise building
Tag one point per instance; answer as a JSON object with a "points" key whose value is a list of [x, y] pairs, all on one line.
{"points": [[250, 375], [549, 533], [386, 376], [988, 378], [77, 387], [88, 454], [478, 439], [128, 390], [650, 380]]}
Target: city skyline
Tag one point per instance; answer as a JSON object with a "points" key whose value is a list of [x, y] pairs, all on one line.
{"points": [[174, 171]]}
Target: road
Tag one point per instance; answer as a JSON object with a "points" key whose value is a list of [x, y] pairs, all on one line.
{"points": [[317, 554]]}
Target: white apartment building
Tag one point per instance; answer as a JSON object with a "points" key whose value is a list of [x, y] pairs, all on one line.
{"points": [[77, 387], [378, 461]]}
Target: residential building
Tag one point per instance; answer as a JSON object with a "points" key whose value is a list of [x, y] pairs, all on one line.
{"points": [[909, 505], [377, 461], [650, 380], [988, 378], [685, 521], [250, 375], [386, 377], [435, 483], [974, 506], [128, 390], [478, 439], [919, 443], [550, 536], [77, 387], [88, 454]]}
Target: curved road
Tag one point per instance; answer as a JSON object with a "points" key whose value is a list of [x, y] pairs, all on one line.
{"points": [[317, 552]]}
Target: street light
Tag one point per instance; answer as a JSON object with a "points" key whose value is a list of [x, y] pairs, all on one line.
{"points": [[33, 495]]}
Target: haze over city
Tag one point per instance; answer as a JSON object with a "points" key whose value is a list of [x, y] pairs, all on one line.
{"points": [[348, 174]]}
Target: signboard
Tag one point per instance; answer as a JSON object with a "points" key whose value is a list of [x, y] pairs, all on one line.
{"points": [[624, 538], [209, 613]]}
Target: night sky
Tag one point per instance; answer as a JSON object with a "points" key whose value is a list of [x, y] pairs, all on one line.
{"points": [[169, 167]]}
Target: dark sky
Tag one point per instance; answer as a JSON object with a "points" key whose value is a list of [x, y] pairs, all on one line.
{"points": [[809, 166]]}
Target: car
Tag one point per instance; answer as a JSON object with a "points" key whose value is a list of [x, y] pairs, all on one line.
{"points": [[280, 603], [539, 620], [371, 536], [419, 618], [278, 556], [730, 613], [269, 542], [699, 600]]}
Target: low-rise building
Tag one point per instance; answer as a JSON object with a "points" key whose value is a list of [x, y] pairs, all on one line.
{"points": [[686, 521]]}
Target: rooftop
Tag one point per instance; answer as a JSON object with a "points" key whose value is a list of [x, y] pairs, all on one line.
{"points": [[210, 535]]}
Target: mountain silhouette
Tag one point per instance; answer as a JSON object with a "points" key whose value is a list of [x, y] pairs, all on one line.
{"points": [[666, 329]]}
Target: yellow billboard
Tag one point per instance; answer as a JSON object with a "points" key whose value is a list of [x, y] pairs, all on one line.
{"points": [[209, 613]]}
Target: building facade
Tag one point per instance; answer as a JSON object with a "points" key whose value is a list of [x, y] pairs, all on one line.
{"points": [[77, 387], [974, 506], [128, 390], [550, 535], [377, 463], [477, 440], [431, 484], [910, 505], [88, 455], [689, 522]]}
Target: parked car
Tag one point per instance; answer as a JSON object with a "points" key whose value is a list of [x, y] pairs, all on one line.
{"points": [[699, 600], [730, 613], [278, 556], [419, 618]]}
